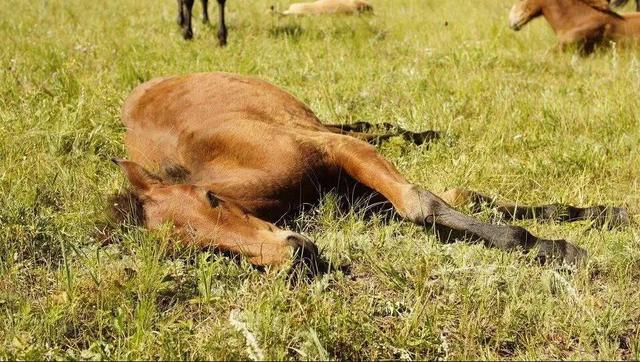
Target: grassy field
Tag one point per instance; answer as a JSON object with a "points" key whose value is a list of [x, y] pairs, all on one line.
{"points": [[522, 122]]}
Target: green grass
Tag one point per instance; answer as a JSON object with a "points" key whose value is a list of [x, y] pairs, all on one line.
{"points": [[522, 122]]}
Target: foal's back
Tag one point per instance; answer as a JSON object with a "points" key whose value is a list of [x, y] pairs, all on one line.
{"points": [[191, 119], [242, 138]]}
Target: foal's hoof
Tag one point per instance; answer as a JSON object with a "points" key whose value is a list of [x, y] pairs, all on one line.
{"points": [[422, 137], [419, 138], [307, 261], [187, 34], [561, 251], [611, 217], [222, 39]]}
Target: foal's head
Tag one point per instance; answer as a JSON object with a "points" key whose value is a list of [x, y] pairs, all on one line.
{"points": [[201, 218], [523, 11], [526, 10]]}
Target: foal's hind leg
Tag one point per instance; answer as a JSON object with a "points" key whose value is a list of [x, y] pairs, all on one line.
{"points": [[360, 130], [364, 164], [600, 215]]}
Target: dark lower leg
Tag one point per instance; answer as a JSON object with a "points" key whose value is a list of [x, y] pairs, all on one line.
{"points": [[205, 11], [187, 7], [222, 30], [180, 18], [422, 207], [428, 209], [362, 126], [382, 132], [600, 215]]}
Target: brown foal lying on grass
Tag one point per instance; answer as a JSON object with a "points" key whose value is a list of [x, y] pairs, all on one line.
{"points": [[584, 23], [320, 7], [236, 154]]}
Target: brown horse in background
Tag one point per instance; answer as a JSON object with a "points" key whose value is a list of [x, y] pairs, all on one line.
{"points": [[619, 3], [585, 23], [234, 155], [185, 8], [329, 7]]}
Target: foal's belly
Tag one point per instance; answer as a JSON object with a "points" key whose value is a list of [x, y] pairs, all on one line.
{"points": [[269, 174]]}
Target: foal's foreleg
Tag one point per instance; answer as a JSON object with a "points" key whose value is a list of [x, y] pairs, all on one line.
{"points": [[361, 126], [362, 131], [601, 215], [363, 163]]}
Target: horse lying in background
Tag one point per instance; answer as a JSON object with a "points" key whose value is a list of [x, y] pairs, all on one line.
{"points": [[585, 23], [236, 154], [185, 8], [320, 7]]}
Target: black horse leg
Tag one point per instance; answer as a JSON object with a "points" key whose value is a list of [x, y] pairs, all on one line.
{"points": [[180, 17], [205, 11], [222, 30], [186, 7]]}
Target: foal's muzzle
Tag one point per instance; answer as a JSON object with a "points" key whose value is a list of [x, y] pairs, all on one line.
{"points": [[516, 18], [306, 256]]}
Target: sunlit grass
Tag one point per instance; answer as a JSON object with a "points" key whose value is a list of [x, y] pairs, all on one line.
{"points": [[521, 121]]}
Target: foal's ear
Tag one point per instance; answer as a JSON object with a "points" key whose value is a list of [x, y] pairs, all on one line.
{"points": [[141, 179]]}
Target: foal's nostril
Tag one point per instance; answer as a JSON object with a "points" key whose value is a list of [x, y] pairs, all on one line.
{"points": [[303, 245], [306, 255]]}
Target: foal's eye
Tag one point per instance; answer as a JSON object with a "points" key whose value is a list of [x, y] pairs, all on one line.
{"points": [[213, 200]]}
